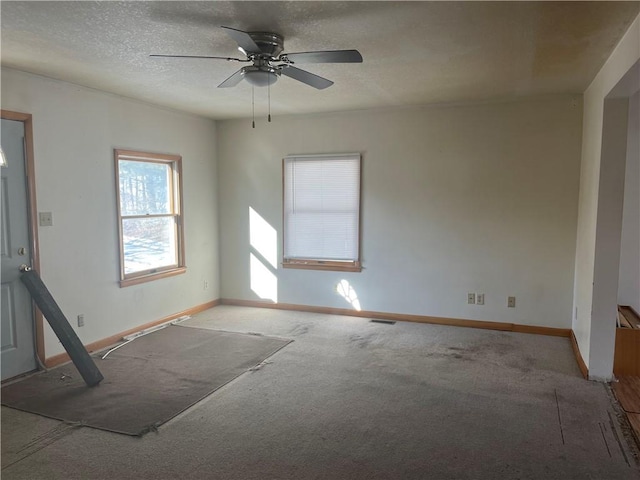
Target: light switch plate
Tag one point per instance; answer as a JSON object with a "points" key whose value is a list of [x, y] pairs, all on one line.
{"points": [[46, 219]]}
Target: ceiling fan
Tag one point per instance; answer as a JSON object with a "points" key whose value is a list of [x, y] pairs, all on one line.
{"points": [[264, 51]]}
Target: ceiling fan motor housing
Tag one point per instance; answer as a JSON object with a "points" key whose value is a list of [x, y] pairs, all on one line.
{"points": [[262, 73], [271, 44]]}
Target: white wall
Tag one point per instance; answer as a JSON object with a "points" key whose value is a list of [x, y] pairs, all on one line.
{"points": [[75, 131], [629, 272], [626, 53], [455, 199]]}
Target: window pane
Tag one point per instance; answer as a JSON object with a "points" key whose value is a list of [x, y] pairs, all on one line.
{"points": [[148, 243], [145, 188], [323, 236]]}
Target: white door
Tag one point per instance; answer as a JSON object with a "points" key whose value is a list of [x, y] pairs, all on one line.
{"points": [[17, 334]]}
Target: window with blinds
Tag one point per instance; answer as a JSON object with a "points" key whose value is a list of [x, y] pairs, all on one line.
{"points": [[322, 212]]}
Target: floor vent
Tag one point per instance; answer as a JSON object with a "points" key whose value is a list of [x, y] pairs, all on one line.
{"points": [[386, 322]]}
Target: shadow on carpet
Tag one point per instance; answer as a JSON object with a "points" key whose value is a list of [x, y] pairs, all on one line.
{"points": [[146, 382]]}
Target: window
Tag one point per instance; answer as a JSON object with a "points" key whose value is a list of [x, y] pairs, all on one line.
{"points": [[149, 216], [322, 212]]}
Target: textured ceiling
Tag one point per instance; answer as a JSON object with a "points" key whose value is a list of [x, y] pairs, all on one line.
{"points": [[414, 52]]}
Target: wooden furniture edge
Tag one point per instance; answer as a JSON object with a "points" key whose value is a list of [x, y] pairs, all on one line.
{"points": [[403, 317], [576, 351], [633, 323], [626, 357], [61, 358]]}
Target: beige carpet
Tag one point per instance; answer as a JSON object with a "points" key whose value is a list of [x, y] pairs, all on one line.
{"points": [[351, 399]]}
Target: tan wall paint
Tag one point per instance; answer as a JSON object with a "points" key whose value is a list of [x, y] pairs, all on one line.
{"points": [[75, 131], [475, 198]]}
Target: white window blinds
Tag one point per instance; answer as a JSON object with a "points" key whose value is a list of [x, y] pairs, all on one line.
{"points": [[322, 207]]}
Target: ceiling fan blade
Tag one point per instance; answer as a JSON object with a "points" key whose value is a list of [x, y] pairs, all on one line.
{"points": [[306, 77], [329, 56], [233, 80], [243, 39], [230, 59]]}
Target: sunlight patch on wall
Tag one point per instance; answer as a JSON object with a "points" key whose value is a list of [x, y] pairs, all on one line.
{"points": [[346, 291], [263, 282], [263, 260], [263, 238]]}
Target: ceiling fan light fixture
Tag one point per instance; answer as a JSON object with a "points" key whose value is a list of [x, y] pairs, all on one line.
{"points": [[259, 77]]}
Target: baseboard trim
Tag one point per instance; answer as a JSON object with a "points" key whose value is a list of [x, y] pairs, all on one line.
{"points": [[61, 358], [455, 322], [576, 351]]}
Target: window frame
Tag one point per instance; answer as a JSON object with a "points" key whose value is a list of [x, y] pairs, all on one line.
{"points": [[323, 264], [177, 212]]}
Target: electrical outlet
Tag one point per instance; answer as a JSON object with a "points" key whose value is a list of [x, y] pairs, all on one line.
{"points": [[81, 320], [511, 302], [480, 299], [205, 285], [471, 298]]}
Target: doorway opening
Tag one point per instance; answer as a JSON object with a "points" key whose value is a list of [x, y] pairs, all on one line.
{"points": [[619, 153]]}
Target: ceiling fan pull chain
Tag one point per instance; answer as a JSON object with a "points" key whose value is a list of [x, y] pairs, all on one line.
{"points": [[253, 107], [269, 95]]}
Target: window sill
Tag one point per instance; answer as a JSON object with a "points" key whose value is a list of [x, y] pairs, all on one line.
{"points": [[127, 282], [319, 265]]}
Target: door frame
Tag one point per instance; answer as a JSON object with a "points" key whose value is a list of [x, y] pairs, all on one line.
{"points": [[26, 119], [610, 203]]}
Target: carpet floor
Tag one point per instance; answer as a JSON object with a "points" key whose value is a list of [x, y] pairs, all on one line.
{"points": [[351, 399]]}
